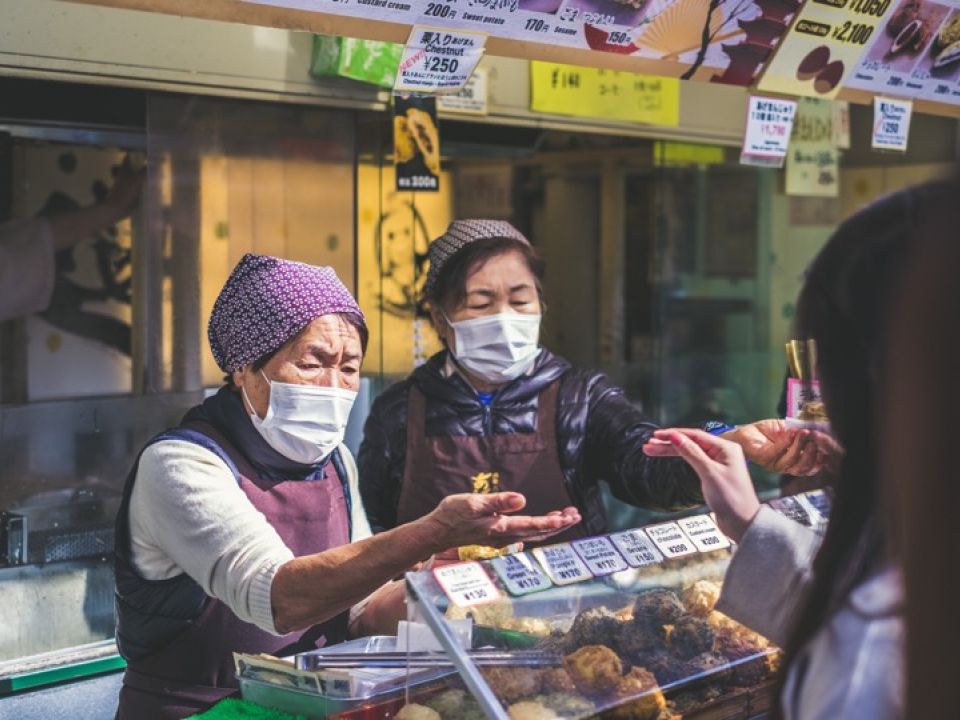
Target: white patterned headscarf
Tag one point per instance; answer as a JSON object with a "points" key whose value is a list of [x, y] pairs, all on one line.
{"points": [[267, 301], [460, 234]]}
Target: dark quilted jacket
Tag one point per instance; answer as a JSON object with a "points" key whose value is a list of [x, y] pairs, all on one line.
{"points": [[600, 436]]}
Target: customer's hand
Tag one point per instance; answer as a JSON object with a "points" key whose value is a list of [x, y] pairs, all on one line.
{"points": [[472, 519], [774, 446], [726, 484]]}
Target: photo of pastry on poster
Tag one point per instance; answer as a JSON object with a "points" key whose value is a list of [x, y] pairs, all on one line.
{"points": [[916, 54], [726, 41]]}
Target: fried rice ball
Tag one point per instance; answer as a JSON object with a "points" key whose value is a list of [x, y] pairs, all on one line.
{"points": [[597, 626], [557, 680], [708, 663], [637, 697], [692, 636], [556, 642], [417, 712], [531, 711], [448, 703], [595, 669], [664, 666], [701, 597], [657, 607], [513, 683], [637, 641]]}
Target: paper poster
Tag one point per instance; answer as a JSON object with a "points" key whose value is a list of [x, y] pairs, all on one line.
{"points": [[416, 143], [719, 41], [438, 61], [589, 92], [813, 161], [916, 54], [472, 98], [891, 124], [769, 125], [822, 49]]}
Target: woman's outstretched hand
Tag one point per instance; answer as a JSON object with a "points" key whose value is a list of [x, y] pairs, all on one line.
{"points": [[721, 467]]}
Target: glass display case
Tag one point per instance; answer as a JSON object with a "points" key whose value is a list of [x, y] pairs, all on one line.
{"points": [[616, 626]]}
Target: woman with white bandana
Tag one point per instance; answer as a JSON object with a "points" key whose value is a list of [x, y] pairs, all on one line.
{"points": [[497, 411], [242, 529]]}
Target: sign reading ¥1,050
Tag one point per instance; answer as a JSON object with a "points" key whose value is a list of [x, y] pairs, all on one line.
{"points": [[713, 41]]}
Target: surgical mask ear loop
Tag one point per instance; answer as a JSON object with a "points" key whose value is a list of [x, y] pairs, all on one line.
{"points": [[243, 391]]}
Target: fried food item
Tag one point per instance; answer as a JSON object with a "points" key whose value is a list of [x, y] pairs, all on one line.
{"points": [[700, 598], [556, 642], [664, 666], [567, 704], [426, 137], [636, 641], [595, 669], [531, 711], [657, 607], [709, 663], [596, 626], [417, 712], [906, 13], [638, 697], [948, 35], [557, 680], [448, 703], [692, 636], [513, 683], [404, 146]]}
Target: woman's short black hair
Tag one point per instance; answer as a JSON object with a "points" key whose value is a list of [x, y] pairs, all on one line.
{"points": [[450, 289]]}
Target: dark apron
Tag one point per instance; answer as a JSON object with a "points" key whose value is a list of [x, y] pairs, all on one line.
{"points": [[196, 669], [527, 463]]}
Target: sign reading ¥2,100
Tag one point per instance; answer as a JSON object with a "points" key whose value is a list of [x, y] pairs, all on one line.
{"points": [[724, 42], [822, 49]]}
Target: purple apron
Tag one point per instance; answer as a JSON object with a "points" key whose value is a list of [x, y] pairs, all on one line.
{"points": [[195, 670]]}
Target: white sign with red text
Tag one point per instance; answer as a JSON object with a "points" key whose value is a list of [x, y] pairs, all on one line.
{"points": [[769, 126]]}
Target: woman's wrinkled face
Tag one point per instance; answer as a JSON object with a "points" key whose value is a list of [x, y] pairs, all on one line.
{"points": [[503, 283], [327, 353]]}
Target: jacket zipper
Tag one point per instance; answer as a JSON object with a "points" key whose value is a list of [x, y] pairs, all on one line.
{"points": [[487, 421]]}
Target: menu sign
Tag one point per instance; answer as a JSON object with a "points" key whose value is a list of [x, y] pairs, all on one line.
{"points": [[600, 556], [467, 584], [637, 548], [769, 125], [915, 54], [416, 143], [694, 39], [813, 160], [437, 60], [891, 124], [562, 564], [826, 41]]}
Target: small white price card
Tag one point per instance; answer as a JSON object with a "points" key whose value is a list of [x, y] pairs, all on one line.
{"points": [[438, 61], [769, 125], [520, 574], [891, 124], [671, 541], [637, 548], [562, 564], [704, 533], [600, 556], [467, 584], [471, 100]]}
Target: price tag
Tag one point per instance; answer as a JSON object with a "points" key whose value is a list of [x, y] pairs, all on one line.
{"points": [[891, 124], [520, 574], [637, 548], [438, 61], [562, 564], [769, 126], [704, 533], [467, 584], [794, 509], [471, 100], [671, 541], [601, 557], [820, 502]]}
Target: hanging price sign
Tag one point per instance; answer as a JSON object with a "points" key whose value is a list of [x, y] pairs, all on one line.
{"points": [[438, 61], [467, 584]]}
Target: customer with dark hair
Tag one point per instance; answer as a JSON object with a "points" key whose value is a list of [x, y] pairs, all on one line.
{"points": [[836, 609], [494, 410], [919, 421]]}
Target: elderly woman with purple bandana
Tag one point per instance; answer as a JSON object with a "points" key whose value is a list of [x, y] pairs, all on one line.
{"points": [[243, 530]]}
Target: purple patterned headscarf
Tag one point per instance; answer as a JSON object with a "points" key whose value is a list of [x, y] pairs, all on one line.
{"points": [[267, 301], [460, 234]]}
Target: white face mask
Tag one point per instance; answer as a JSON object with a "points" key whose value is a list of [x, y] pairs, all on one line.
{"points": [[304, 423], [497, 348]]}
